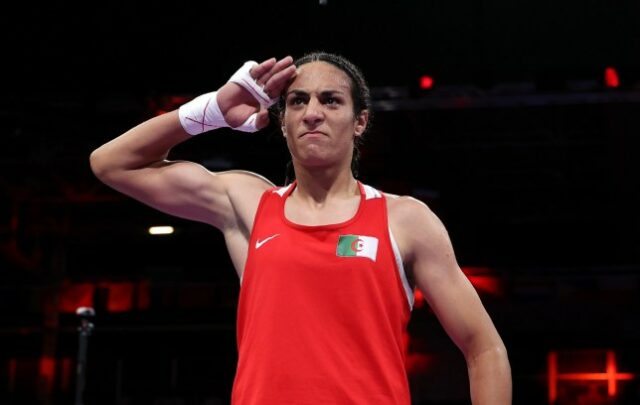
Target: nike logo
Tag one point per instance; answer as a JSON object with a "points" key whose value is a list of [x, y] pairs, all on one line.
{"points": [[263, 241]]}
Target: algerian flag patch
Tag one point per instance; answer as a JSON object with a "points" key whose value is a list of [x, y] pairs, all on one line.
{"points": [[357, 246]]}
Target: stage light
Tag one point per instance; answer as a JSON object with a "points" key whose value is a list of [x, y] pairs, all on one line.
{"points": [[611, 78], [484, 280], [426, 82], [160, 230], [580, 376]]}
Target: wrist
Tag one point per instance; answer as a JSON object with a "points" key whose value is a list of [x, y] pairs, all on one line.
{"points": [[201, 114]]}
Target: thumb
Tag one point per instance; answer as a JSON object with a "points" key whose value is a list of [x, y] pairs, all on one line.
{"points": [[262, 119]]}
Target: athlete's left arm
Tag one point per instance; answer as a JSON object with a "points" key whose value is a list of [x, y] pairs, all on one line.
{"points": [[429, 254]]}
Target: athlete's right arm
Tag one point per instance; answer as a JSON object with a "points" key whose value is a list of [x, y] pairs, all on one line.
{"points": [[135, 163]]}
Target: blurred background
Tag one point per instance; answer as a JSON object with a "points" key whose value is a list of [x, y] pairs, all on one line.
{"points": [[516, 122]]}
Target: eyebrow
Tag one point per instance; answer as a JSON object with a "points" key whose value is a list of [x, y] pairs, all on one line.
{"points": [[322, 93]]}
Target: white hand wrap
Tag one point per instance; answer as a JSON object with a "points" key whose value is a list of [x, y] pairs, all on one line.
{"points": [[244, 79], [203, 112]]}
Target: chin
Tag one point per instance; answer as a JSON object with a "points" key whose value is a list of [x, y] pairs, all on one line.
{"points": [[314, 160], [315, 156]]}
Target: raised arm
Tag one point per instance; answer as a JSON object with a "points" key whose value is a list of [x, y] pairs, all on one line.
{"points": [[428, 252], [135, 162]]}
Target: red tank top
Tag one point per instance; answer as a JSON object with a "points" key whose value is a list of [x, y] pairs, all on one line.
{"points": [[322, 309]]}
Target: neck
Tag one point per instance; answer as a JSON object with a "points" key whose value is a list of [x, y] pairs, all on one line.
{"points": [[319, 183]]}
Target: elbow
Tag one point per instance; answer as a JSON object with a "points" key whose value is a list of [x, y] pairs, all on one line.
{"points": [[500, 351], [96, 164], [99, 165], [495, 354], [492, 347]]}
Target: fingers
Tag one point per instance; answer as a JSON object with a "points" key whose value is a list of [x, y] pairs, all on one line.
{"points": [[279, 81], [277, 67], [262, 119], [258, 71], [263, 74]]}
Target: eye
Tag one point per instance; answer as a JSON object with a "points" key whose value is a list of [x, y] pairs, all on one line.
{"points": [[296, 100], [331, 101]]}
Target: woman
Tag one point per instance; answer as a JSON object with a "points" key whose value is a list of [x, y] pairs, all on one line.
{"points": [[327, 264]]}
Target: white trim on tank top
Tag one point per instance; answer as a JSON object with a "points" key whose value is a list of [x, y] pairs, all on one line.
{"points": [[403, 275], [371, 192], [283, 190]]}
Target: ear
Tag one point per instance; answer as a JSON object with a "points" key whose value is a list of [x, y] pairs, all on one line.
{"points": [[282, 126], [361, 122]]}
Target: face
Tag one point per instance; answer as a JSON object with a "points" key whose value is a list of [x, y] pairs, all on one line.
{"points": [[319, 122]]}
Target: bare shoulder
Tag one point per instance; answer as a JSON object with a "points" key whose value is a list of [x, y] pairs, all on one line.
{"points": [[416, 227], [409, 212]]}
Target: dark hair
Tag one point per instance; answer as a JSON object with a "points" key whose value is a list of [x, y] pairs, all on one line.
{"points": [[359, 93]]}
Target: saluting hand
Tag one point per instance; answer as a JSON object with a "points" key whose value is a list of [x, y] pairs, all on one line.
{"points": [[237, 104]]}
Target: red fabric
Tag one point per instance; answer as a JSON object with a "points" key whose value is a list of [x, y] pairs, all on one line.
{"points": [[316, 328]]}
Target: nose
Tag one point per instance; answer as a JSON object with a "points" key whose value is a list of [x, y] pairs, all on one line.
{"points": [[313, 114]]}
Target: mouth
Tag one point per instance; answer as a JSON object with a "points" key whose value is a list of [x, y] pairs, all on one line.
{"points": [[312, 134]]}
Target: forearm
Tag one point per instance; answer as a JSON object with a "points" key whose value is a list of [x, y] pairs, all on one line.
{"points": [[141, 146], [490, 377]]}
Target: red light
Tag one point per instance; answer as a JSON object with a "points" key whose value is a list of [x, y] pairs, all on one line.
{"points": [[484, 280], [418, 363], [552, 374], [120, 297], [76, 295], [163, 104], [426, 82], [418, 299], [610, 375], [47, 371], [611, 78]]}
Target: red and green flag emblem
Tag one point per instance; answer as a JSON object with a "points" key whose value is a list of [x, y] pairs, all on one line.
{"points": [[357, 246]]}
